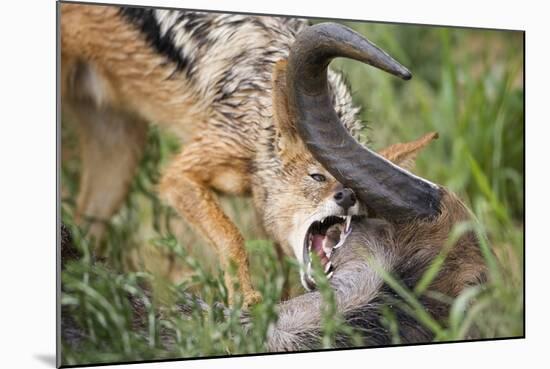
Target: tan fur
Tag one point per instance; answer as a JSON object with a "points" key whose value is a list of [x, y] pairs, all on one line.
{"points": [[140, 87], [404, 154], [289, 143], [97, 34]]}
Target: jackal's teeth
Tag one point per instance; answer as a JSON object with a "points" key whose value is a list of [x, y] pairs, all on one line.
{"points": [[327, 249], [327, 267], [309, 274], [343, 237], [348, 223], [329, 275]]}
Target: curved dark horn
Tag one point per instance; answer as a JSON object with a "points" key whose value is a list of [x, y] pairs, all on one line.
{"points": [[390, 191]]}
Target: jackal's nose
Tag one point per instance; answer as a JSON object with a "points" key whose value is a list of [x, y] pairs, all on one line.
{"points": [[345, 197]]}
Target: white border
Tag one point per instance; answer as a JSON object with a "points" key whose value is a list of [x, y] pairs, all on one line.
{"points": [[27, 326]]}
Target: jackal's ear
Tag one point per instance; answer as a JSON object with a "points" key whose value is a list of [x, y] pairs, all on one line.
{"points": [[404, 154], [287, 139]]}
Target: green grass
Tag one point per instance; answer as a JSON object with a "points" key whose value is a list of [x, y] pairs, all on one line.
{"points": [[467, 85]]}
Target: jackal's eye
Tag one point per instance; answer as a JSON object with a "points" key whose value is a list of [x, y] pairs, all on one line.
{"points": [[318, 177]]}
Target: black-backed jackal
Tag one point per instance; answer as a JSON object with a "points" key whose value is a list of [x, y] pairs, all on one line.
{"points": [[224, 84]]}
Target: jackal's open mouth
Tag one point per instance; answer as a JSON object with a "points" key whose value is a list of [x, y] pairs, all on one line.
{"points": [[322, 238]]}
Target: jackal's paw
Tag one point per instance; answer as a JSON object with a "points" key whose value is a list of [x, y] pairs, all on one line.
{"points": [[251, 298]]}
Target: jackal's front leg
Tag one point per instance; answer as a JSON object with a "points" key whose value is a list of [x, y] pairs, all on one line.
{"points": [[186, 186]]}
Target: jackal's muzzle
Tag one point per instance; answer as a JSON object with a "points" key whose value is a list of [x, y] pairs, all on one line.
{"points": [[322, 238]]}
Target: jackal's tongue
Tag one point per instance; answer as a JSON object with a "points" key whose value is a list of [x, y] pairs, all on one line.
{"points": [[317, 247]]}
